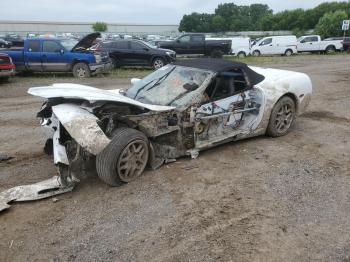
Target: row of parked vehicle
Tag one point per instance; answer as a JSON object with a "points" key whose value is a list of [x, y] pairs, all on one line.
{"points": [[90, 56], [241, 47]]}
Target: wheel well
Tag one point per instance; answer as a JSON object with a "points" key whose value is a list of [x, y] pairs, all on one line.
{"points": [[330, 46], [156, 57], [241, 52], [293, 97], [75, 61], [289, 50]]}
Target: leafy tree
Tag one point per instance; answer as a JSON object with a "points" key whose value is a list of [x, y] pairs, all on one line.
{"points": [[330, 24], [99, 27], [232, 17]]}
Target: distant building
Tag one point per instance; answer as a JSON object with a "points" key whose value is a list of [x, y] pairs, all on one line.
{"points": [[44, 27]]}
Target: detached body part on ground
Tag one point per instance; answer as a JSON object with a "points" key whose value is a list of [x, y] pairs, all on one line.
{"points": [[57, 55]]}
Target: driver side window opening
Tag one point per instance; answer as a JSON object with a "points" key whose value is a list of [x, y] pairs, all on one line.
{"points": [[226, 84], [266, 41]]}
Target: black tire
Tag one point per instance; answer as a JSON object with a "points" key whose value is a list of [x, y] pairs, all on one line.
{"points": [[241, 55], [288, 52], [157, 63], [109, 161], [216, 53], [256, 53], [330, 49], [115, 62], [81, 70], [281, 119]]}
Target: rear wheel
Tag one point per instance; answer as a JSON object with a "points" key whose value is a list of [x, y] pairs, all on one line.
{"points": [[330, 49], [81, 70], [282, 117], [216, 53], [158, 63], [241, 55], [114, 62], [124, 159]]}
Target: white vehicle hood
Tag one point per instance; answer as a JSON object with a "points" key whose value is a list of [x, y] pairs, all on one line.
{"points": [[92, 94]]}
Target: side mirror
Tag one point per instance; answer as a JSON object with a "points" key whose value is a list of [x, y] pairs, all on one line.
{"points": [[145, 49], [177, 41]]}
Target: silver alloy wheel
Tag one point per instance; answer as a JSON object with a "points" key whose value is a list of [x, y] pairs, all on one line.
{"points": [[132, 160], [256, 53], [284, 118], [81, 72], [158, 63]]}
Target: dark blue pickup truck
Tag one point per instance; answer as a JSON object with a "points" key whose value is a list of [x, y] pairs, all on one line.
{"points": [[60, 55]]}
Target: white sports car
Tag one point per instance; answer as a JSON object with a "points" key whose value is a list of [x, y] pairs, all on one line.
{"points": [[178, 110]]}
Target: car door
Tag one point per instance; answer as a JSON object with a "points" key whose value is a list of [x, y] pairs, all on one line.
{"points": [[314, 44], [121, 52], [266, 46], [54, 57], [308, 44], [182, 45], [139, 53], [221, 117], [32, 57], [197, 44]]}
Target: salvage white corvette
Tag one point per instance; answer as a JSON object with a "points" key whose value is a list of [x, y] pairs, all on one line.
{"points": [[178, 110]]}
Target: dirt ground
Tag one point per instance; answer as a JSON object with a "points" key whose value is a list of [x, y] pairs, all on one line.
{"points": [[261, 199]]}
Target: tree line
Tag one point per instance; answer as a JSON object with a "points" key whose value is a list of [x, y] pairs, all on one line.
{"points": [[325, 18]]}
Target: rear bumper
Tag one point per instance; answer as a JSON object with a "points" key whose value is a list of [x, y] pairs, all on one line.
{"points": [[100, 68], [6, 73]]}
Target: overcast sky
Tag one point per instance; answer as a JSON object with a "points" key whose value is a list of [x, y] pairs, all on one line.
{"points": [[127, 11]]}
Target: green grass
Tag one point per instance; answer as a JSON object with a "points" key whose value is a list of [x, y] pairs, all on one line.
{"points": [[126, 72]]}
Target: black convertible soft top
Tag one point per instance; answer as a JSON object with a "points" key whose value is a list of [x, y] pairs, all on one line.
{"points": [[221, 65]]}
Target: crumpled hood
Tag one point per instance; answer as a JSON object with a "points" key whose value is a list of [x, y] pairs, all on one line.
{"points": [[92, 94]]}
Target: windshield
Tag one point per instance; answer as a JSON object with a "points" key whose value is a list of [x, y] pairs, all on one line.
{"points": [[69, 43], [149, 44], [166, 85]]}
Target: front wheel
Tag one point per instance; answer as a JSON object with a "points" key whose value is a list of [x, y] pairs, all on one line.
{"points": [[282, 117], [158, 63], [81, 70], [288, 52], [124, 159], [256, 53]]}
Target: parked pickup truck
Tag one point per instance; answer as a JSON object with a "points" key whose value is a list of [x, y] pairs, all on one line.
{"points": [[313, 43], [196, 44], [58, 55]]}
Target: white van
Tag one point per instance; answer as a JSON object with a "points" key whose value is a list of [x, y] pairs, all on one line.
{"points": [[240, 45], [276, 45]]}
